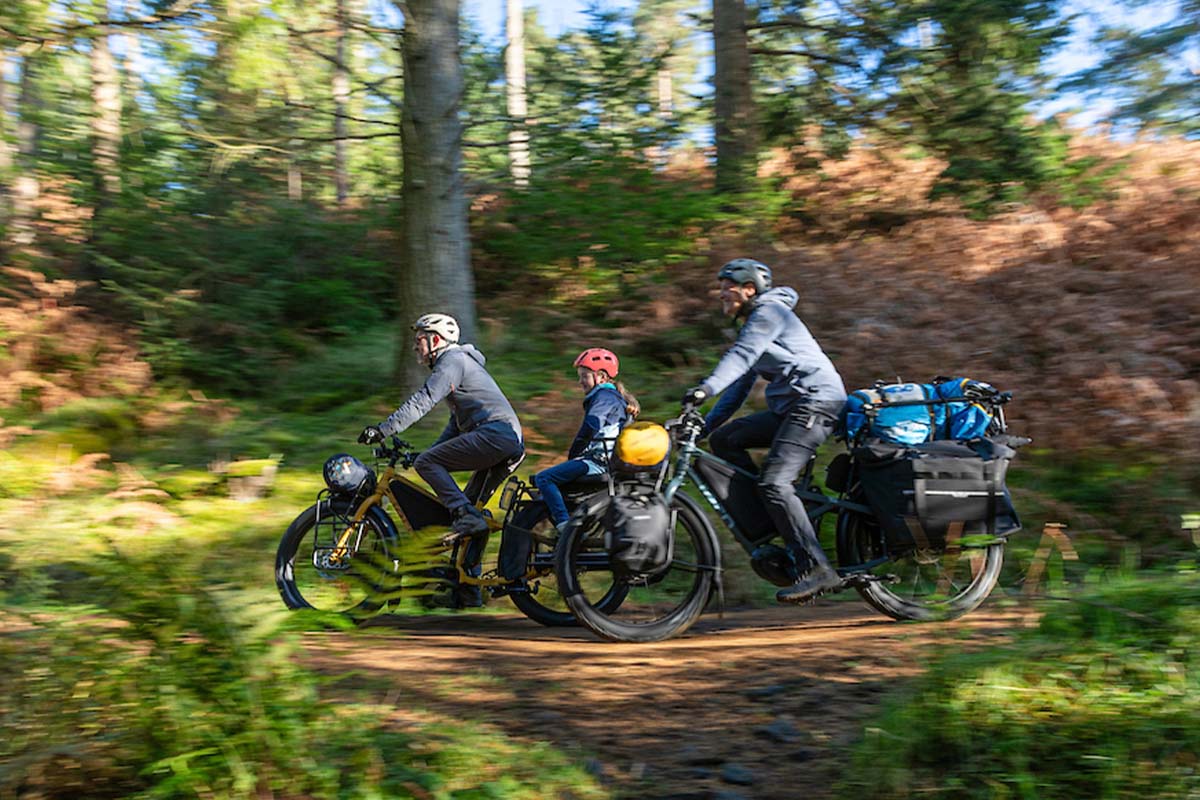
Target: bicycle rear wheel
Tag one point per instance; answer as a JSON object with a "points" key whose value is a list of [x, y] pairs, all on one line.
{"points": [[654, 610], [543, 602], [312, 572], [930, 585]]}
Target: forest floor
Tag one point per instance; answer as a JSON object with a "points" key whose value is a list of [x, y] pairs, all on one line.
{"points": [[762, 703]]}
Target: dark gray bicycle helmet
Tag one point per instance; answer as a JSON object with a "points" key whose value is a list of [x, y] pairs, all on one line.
{"points": [[747, 270]]}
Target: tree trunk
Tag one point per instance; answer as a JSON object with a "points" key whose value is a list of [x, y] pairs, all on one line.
{"points": [[106, 122], [131, 42], [733, 104], [435, 271], [665, 83], [106, 138], [341, 108], [295, 179], [132, 86], [7, 144], [21, 232], [514, 81]]}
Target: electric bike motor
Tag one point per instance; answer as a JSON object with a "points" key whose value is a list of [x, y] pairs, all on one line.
{"points": [[774, 564]]}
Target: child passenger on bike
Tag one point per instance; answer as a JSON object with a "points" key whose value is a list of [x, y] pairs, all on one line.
{"points": [[607, 407]]}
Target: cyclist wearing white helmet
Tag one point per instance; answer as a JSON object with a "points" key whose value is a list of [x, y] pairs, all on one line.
{"points": [[483, 430], [804, 396]]}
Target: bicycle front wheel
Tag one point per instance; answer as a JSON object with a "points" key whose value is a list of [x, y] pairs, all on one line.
{"points": [[926, 585], [313, 571], [653, 610]]}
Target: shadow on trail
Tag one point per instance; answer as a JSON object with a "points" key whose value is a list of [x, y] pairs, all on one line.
{"points": [[762, 703]]}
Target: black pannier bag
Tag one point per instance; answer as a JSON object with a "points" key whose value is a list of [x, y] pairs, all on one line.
{"points": [[739, 495], [919, 491], [516, 542], [638, 533]]}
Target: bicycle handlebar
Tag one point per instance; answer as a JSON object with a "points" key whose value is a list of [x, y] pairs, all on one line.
{"points": [[400, 452]]}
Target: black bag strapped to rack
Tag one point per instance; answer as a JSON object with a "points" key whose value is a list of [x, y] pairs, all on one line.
{"points": [[516, 539], [920, 493], [638, 532]]}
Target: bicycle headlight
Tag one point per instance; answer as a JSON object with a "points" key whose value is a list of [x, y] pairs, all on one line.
{"points": [[345, 474]]}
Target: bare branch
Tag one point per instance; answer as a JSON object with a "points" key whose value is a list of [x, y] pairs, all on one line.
{"points": [[328, 113], [100, 26], [299, 37], [179, 9], [481, 145], [21, 37], [356, 136], [234, 145], [766, 51], [790, 22]]}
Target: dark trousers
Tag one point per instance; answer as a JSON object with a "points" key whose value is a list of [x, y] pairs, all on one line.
{"points": [[793, 438], [481, 449]]}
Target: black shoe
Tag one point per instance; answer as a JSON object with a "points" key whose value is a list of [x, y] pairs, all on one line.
{"points": [[817, 582], [469, 521], [470, 595]]}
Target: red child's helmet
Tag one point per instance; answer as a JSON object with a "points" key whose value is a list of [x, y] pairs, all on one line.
{"points": [[596, 359]]}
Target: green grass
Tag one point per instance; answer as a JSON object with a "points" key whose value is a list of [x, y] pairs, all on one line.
{"points": [[1099, 701]]}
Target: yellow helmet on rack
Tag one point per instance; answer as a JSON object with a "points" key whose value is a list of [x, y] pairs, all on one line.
{"points": [[641, 447]]}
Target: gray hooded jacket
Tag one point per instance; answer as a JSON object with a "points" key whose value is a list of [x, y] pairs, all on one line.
{"points": [[459, 378], [775, 345]]}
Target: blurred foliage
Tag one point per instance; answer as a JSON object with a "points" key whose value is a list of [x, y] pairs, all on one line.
{"points": [[1144, 72], [224, 303], [1099, 700], [224, 248], [592, 222], [167, 686]]}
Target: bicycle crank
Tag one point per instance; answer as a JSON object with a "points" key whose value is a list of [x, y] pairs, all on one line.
{"points": [[861, 580]]}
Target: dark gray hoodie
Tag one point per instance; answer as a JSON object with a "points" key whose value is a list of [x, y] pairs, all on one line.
{"points": [[459, 378], [775, 345]]}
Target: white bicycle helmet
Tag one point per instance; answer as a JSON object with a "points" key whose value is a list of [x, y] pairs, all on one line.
{"points": [[747, 270], [443, 325]]}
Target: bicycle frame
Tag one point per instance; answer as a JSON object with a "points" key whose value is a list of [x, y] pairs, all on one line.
{"points": [[384, 491], [817, 504]]}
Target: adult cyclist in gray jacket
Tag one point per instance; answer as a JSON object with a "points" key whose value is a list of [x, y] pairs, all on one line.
{"points": [[804, 397], [483, 430]]}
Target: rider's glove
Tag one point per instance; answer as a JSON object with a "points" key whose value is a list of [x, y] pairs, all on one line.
{"points": [[694, 397], [371, 435]]}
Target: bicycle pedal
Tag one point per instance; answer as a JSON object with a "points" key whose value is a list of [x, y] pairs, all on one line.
{"points": [[861, 580]]}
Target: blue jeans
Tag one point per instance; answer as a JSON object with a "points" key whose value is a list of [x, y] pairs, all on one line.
{"points": [[548, 480]]}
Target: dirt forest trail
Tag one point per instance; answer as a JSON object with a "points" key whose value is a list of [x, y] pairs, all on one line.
{"points": [[761, 703]]}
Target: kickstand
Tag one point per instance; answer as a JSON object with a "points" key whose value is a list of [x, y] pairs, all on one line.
{"points": [[720, 594]]}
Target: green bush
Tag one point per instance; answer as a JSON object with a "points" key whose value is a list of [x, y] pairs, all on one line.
{"points": [[1099, 701], [591, 223], [224, 301]]}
